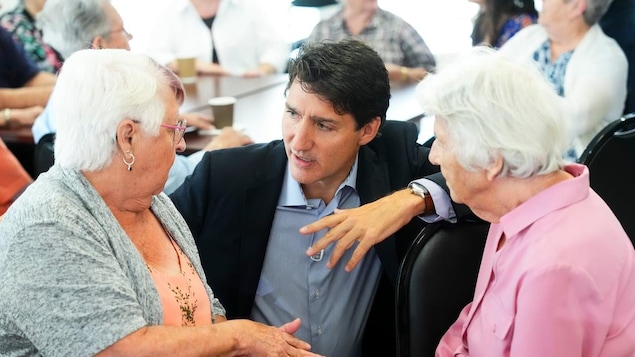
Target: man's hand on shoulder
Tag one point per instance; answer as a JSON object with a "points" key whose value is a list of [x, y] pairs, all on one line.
{"points": [[369, 224]]}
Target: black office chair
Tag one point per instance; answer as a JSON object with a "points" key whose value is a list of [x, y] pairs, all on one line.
{"points": [[44, 156], [313, 3], [610, 157], [436, 281]]}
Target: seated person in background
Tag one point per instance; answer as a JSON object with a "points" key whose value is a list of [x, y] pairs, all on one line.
{"points": [[227, 37], [557, 276], [20, 22], [95, 258], [24, 88], [499, 20], [618, 22], [69, 25], [404, 52], [587, 69], [245, 205], [15, 118], [13, 178]]}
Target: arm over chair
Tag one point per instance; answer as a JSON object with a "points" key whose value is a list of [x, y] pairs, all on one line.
{"points": [[436, 281]]}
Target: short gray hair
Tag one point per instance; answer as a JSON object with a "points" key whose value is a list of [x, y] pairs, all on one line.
{"points": [[595, 9], [97, 89], [495, 108], [71, 25]]}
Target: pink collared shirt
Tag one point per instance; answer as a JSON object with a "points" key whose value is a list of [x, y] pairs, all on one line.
{"points": [[562, 285]]}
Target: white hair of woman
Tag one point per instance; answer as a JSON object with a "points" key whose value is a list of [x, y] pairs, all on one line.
{"points": [[88, 115], [490, 116], [71, 25]]}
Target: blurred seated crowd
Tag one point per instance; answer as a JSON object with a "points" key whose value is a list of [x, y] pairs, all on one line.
{"points": [[123, 245]]}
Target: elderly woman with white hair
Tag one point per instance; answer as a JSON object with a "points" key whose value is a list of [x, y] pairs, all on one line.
{"points": [[557, 277], [585, 67], [94, 258], [73, 25]]}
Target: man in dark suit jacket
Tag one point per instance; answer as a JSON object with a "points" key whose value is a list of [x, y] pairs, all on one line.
{"points": [[337, 99]]}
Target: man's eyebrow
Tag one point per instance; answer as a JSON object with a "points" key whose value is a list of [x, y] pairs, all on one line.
{"points": [[323, 120], [313, 117]]}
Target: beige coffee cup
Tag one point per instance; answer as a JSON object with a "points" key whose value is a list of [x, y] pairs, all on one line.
{"points": [[223, 111], [187, 69]]}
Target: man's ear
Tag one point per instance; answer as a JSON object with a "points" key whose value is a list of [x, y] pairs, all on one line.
{"points": [[369, 131]]}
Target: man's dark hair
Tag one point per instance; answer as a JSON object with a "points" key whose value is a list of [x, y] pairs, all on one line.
{"points": [[348, 74]]}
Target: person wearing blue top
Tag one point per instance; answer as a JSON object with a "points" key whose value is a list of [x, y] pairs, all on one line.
{"points": [[499, 20], [15, 72], [245, 206], [586, 68], [23, 87]]}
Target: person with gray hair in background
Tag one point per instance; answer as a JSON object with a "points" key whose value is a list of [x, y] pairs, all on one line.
{"points": [[95, 259], [72, 25], [586, 68], [548, 284]]}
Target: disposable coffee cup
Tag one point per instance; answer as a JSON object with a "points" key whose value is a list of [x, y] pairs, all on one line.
{"points": [[223, 111], [187, 69]]}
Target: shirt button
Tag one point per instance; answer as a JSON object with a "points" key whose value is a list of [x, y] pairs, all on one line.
{"points": [[320, 331], [317, 294]]}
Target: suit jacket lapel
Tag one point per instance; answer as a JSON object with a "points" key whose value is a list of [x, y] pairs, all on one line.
{"points": [[260, 201], [372, 176], [373, 183]]}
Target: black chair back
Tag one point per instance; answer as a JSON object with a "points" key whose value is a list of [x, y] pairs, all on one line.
{"points": [[436, 281], [44, 154], [610, 157]]}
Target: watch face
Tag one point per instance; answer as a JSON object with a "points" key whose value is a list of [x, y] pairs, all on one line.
{"points": [[418, 189]]}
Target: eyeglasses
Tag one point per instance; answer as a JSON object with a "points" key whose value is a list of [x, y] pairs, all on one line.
{"points": [[179, 130], [123, 31]]}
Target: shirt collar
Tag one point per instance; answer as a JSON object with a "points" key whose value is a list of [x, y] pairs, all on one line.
{"points": [[292, 195], [553, 198]]}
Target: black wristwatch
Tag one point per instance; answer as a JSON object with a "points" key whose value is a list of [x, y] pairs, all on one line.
{"points": [[421, 191]]}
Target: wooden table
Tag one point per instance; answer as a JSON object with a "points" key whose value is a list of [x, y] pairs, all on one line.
{"points": [[197, 95], [21, 135], [207, 87]]}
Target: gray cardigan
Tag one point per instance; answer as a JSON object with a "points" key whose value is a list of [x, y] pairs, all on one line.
{"points": [[71, 281]]}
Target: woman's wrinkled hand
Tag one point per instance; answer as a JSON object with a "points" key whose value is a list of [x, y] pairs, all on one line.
{"points": [[256, 339]]}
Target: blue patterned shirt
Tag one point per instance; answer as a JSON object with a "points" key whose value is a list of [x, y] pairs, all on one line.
{"points": [[554, 72]]}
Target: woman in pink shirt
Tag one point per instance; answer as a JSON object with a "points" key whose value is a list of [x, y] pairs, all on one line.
{"points": [[558, 271]]}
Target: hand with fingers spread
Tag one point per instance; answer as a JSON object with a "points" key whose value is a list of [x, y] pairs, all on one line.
{"points": [[369, 224], [256, 339]]}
